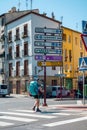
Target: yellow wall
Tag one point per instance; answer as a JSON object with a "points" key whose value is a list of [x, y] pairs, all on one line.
{"points": [[74, 43]]}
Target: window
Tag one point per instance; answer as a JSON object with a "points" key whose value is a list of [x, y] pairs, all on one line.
{"points": [[3, 21], [10, 53], [26, 67], [18, 68], [81, 47], [17, 36], [10, 36], [69, 38], [70, 56], [53, 67], [25, 33], [65, 55], [81, 54], [54, 82], [26, 48], [64, 37], [66, 68], [10, 69], [17, 51], [76, 40]]}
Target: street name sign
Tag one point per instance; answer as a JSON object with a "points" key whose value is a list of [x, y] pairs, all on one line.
{"points": [[48, 37], [49, 63], [48, 51], [48, 30], [60, 75], [48, 57], [48, 44]]}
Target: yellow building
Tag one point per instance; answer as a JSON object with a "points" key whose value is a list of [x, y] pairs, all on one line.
{"points": [[73, 49]]}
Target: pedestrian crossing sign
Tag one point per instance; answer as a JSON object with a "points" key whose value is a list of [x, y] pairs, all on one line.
{"points": [[83, 63]]}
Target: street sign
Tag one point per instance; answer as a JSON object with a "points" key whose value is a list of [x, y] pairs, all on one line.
{"points": [[48, 44], [84, 39], [83, 63], [48, 30], [60, 75], [48, 37], [48, 51], [49, 63], [84, 27], [48, 57]]}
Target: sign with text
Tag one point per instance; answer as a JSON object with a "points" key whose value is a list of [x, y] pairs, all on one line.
{"points": [[48, 37], [48, 57], [49, 63], [48, 51], [48, 30], [48, 44]]}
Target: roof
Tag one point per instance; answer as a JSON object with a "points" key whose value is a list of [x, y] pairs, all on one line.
{"points": [[13, 16]]}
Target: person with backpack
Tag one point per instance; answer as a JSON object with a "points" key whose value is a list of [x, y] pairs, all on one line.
{"points": [[35, 90]]}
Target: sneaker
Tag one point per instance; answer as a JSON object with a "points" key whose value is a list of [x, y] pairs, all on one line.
{"points": [[33, 108], [38, 110]]}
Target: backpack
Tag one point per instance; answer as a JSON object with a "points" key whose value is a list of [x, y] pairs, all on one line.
{"points": [[33, 88]]}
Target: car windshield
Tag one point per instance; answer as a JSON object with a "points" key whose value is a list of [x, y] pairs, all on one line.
{"points": [[3, 86]]}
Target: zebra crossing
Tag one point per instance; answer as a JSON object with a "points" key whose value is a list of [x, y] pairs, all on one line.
{"points": [[13, 117]]}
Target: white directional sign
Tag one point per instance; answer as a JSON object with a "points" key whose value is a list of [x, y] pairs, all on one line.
{"points": [[48, 30], [48, 37], [48, 44], [48, 51]]}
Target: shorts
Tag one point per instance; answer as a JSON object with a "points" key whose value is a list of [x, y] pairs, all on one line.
{"points": [[35, 96]]}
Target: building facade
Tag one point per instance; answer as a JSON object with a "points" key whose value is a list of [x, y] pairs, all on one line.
{"points": [[73, 49], [26, 39], [19, 41]]}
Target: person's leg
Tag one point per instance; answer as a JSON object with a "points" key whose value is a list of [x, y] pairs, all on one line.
{"points": [[36, 105]]}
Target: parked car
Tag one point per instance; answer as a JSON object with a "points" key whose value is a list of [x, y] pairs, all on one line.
{"points": [[58, 91], [4, 90]]}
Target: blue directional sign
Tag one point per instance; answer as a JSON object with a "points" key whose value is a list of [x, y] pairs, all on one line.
{"points": [[83, 63]]}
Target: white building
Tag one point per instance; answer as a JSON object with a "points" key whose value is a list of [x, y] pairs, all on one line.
{"points": [[21, 44]]}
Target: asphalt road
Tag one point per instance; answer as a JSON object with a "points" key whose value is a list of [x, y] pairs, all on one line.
{"points": [[16, 114]]}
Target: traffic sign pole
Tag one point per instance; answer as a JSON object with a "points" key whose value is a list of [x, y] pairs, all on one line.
{"points": [[45, 104], [83, 88]]}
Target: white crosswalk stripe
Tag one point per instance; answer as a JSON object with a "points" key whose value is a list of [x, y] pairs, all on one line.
{"points": [[17, 119], [28, 115], [5, 123], [9, 118], [65, 122]]}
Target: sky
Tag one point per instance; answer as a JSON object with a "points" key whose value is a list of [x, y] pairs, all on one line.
{"points": [[71, 12]]}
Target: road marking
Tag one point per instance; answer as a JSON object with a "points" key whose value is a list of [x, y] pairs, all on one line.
{"points": [[30, 111], [28, 115], [52, 113], [18, 119], [65, 114], [65, 122], [5, 123]]}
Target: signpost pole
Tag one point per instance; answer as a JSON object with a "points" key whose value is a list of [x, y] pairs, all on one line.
{"points": [[45, 104], [83, 88]]}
